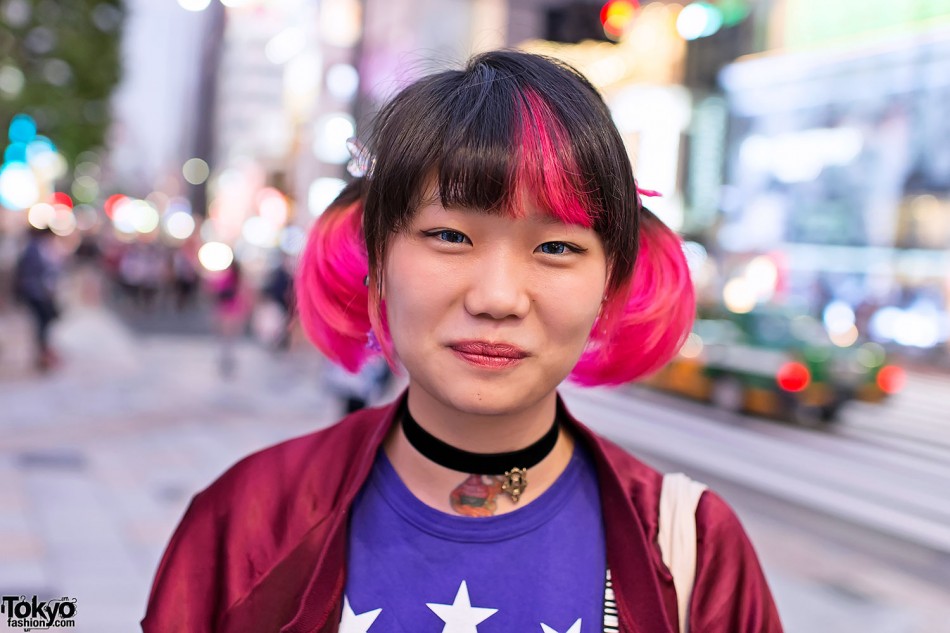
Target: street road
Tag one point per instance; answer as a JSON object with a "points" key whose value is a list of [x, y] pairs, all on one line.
{"points": [[852, 521]]}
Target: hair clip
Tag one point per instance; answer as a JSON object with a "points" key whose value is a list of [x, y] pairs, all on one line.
{"points": [[649, 193], [361, 161]]}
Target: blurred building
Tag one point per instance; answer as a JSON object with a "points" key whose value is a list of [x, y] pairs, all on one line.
{"points": [[154, 107], [839, 163]]}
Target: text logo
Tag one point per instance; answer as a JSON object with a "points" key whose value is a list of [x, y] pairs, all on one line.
{"points": [[38, 615]]}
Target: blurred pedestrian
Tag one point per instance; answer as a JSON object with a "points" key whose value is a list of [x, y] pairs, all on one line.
{"points": [[278, 291], [185, 278], [35, 276], [232, 305], [487, 247]]}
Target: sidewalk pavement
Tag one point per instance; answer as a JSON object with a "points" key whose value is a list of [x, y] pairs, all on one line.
{"points": [[99, 458]]}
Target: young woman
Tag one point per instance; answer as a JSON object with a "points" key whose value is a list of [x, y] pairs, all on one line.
{"points": [[495, 245]]}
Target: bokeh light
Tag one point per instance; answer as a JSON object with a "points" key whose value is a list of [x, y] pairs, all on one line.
{"points": [[692, 346], [302, 78], [15, 153], [259, 232], [891, 379], [40, 215], [838, 317], [146, 217], [793, 377], [762, 275], [844, 338], [272, 206], [697, 20], [733, 11], [739, 296], [22, 129], [87, 168], [63, 222], [195, 171], [330, 134], [12, 81], [194, 5], [109, 206], [616, 16], [341, 22], [215, 256], [179, 225], [85, 188], [61, 197], [48, 164], [18, 186], [343, 81], [322, 192], [130, 215]]}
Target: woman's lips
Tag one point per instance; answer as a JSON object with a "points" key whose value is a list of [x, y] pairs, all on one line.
{"points": [[492, 355]]}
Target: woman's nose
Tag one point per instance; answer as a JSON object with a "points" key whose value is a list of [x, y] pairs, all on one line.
{"points": [[498, 288]]}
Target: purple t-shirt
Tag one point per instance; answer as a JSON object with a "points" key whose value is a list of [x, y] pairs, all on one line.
{"points": [[414, 569]]}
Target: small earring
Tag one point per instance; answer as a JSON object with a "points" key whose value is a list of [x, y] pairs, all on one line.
{"points": [[366, 281], [372, 343]]}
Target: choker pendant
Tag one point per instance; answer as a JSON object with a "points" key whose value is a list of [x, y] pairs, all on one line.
{"points": [[513, 480], [516, 480]]}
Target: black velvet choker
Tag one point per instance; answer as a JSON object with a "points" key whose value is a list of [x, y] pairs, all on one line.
{"points": [[513, 466]]}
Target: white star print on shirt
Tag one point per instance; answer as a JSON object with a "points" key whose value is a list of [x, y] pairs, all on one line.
{"points": [[575, 628], [461, 616], [352, 623]]}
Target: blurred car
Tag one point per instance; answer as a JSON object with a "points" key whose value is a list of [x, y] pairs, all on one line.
{"points": [[777, 364]]}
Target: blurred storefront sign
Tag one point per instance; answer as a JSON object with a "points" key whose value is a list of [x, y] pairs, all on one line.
{"points": [[806, 23], [840, 158]]}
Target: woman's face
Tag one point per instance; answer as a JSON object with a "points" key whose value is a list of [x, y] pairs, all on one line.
{"points": [[489, 313]]}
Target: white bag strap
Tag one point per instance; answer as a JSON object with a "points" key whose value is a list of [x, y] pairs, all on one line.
{"points": [[676, 536]]}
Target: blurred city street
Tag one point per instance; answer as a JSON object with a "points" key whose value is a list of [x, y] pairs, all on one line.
{"points": [[100, 458]]}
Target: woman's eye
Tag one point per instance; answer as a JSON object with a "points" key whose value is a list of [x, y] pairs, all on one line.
{"points": [[447, 235], [554, 248]]}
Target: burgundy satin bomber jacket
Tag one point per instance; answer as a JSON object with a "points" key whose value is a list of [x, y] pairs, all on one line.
{"points": [[263, 548]]}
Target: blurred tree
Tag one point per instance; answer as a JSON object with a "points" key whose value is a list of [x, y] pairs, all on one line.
{"points": [[59, 62]]}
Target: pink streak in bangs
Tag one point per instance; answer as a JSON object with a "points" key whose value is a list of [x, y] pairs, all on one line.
{"points": [[547, 167], [331, 296]]}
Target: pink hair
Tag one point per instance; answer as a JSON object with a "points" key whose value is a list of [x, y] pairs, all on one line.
{"points": [[331, 296], [642, 324], [547, 168]]}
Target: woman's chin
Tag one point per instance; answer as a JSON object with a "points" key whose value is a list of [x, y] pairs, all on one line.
{"points": [[474, 396]]}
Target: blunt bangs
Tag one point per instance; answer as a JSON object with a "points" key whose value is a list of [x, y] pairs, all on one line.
{"points": [[510, 124]]}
